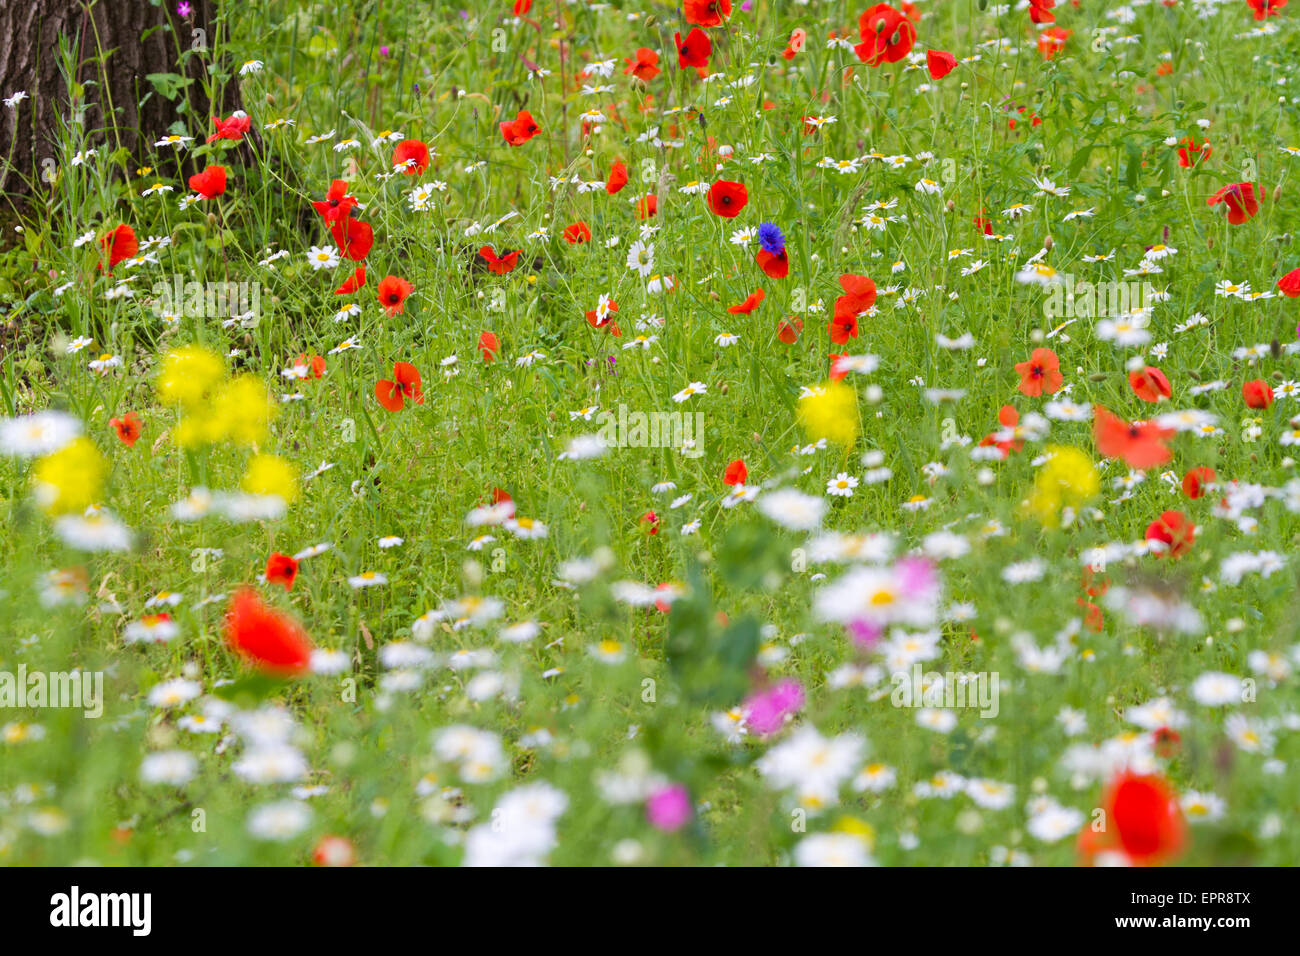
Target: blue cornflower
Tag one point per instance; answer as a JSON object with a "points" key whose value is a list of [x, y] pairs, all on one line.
{"points": [[770, 238]]}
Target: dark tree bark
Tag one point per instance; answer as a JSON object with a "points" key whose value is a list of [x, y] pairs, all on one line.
{"points": [[133, 41]]}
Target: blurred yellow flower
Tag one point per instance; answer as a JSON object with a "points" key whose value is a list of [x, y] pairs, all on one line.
{"points": [[1067, 479], [830, 412], [188, 374], [71, 479], [242, 411], [856, 827], [271, 475]]}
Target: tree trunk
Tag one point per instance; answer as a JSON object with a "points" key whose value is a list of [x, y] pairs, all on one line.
{"points": [[116, 44]]}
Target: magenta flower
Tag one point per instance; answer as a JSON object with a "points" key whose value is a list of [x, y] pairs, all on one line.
{"points": [[669, 808], [865, 634], [766, 710]]}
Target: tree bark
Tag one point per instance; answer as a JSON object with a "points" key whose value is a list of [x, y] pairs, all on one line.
{"points": [[121, 107]]}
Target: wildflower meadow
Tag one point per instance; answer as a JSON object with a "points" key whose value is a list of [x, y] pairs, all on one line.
{"points": [[551, 432]]}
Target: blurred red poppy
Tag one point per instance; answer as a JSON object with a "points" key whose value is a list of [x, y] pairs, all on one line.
{"points": [[267, 638]]}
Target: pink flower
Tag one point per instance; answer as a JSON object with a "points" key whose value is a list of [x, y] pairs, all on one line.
{"points": [[766, 710], [865, 634], [669, 808]]}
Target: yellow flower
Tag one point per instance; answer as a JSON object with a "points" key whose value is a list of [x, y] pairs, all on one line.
{"points": [[271, 475], [855, 827], [830, 412], [242, 411], [188, 374], [70, 479], [1068, 478]]}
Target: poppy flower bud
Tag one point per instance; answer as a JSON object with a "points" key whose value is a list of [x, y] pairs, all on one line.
{"points": [[950, 205], [1048, 243]]}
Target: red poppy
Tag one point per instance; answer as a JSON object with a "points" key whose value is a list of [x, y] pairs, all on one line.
{"points": [[1290, 284], [233, 128], [281, 569], [337, 204], [695, 50], [774, 265], [127, 428], [859, 295], [1172, 528], [271, 640], [752, 302], [1266, 8], [1189, 154], [887, 35], [645, 66], [1093, 618], [727, 198], [1167, 741], [499, 265], [1149, 384], [1094, 582], [736, 473], [489, 345], [354, 238], [1008, 417], [406, 384], [940, 63], [1241, 200], [412, 155], [788, 330], [315, 365], [842, 328], [209, 183], [983, 225], [1041, 374], [1257, 394], [1145, 823], [797, 40], [596, 322], [617, 178], [120, 244], [647, 206], [521, 129], [1040, 11], [578, 232], [393, 291], [357, 280], [650, 523], [1051, 42], [1196, 479], [838, 371], [1140, 444], [706, 13]]}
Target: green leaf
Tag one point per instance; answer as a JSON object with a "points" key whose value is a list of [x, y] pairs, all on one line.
{"points": [[169, 85]]}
